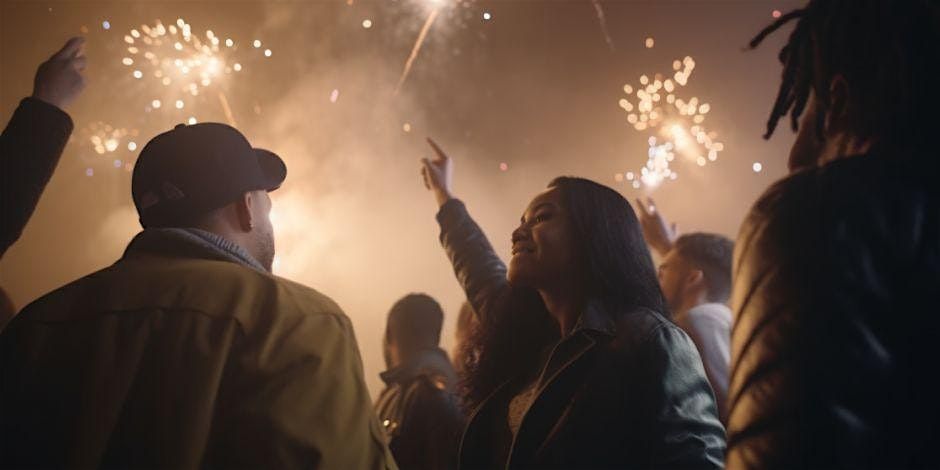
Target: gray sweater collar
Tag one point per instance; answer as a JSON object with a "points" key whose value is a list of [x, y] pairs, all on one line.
{"points": [[190, 241]]}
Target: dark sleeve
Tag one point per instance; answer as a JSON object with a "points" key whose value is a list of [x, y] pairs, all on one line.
{"points": [[686, 429], [834, 319], [769, 273], [480, 272], [30, 148], [431, 431]]}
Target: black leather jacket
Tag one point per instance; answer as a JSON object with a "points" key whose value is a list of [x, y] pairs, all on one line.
{"points": [[620, 391], [834, 348], [420, 413]]}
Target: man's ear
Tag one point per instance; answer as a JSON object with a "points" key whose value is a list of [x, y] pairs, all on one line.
{"points": [[695, 278], [243, 209], [837, 117]]}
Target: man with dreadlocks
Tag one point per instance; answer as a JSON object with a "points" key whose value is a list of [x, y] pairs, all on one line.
{"points": [[837, 266]]}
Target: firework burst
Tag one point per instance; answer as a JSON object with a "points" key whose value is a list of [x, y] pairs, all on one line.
{"points": [[181, 67], [170, 72], [656, 104]]}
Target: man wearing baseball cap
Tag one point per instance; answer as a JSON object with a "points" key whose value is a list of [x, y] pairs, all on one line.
{"points": [[188, 352]]}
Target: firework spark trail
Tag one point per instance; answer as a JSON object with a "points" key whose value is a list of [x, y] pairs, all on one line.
{"points": [[417, 48], [227, 109], [603, 21]]}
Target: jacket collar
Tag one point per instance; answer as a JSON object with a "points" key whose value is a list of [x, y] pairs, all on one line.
{"points": [[433, 362], [190, 243], [595, 318]]}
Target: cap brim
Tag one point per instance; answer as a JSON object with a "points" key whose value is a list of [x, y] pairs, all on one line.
{"points": [[272, 167]]}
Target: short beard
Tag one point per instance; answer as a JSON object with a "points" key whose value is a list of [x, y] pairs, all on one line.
{"points": [[264, 247]]}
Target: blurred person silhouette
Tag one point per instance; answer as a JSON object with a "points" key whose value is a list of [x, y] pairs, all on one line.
{"points": [[837, 265], [418, 407], [695, 276]]}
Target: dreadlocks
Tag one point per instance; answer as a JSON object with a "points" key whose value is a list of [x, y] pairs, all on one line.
{"points": [[885, 50]]}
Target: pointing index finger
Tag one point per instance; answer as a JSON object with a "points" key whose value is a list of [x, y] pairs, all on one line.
{"points": [[71, 48], [440, 153]]}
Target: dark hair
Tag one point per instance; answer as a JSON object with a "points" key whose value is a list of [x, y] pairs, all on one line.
{"points": [[466, 320], [415, 322], [886, 51], [618, 274], [467, 326], [712, 254]]}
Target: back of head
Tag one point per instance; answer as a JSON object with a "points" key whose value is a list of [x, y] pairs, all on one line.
{"points": [[885, 50], [620, 270], [415, 322], [190, 170], [712, 254]]}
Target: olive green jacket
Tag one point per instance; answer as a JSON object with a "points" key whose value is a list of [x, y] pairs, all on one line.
{"points": [[180, 356]]}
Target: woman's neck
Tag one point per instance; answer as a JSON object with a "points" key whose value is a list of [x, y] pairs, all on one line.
{"points": [[565, 305]]}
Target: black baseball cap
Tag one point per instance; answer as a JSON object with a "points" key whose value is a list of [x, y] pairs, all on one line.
{"points": [[190, 170]]}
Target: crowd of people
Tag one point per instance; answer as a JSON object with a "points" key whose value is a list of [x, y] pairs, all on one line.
{"points": [[804, 343]]}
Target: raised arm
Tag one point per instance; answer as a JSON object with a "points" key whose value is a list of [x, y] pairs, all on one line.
{"points": [[480, 272], [33, 140]]}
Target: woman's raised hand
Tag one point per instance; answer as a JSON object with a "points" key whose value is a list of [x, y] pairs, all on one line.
{"points": [[438, 174]]}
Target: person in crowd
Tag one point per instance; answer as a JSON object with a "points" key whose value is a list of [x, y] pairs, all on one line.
{"points": [[32, 142], [695, 276], [187, 352], [837, 265], [467, 327], [578, 366], [418, 407]]}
